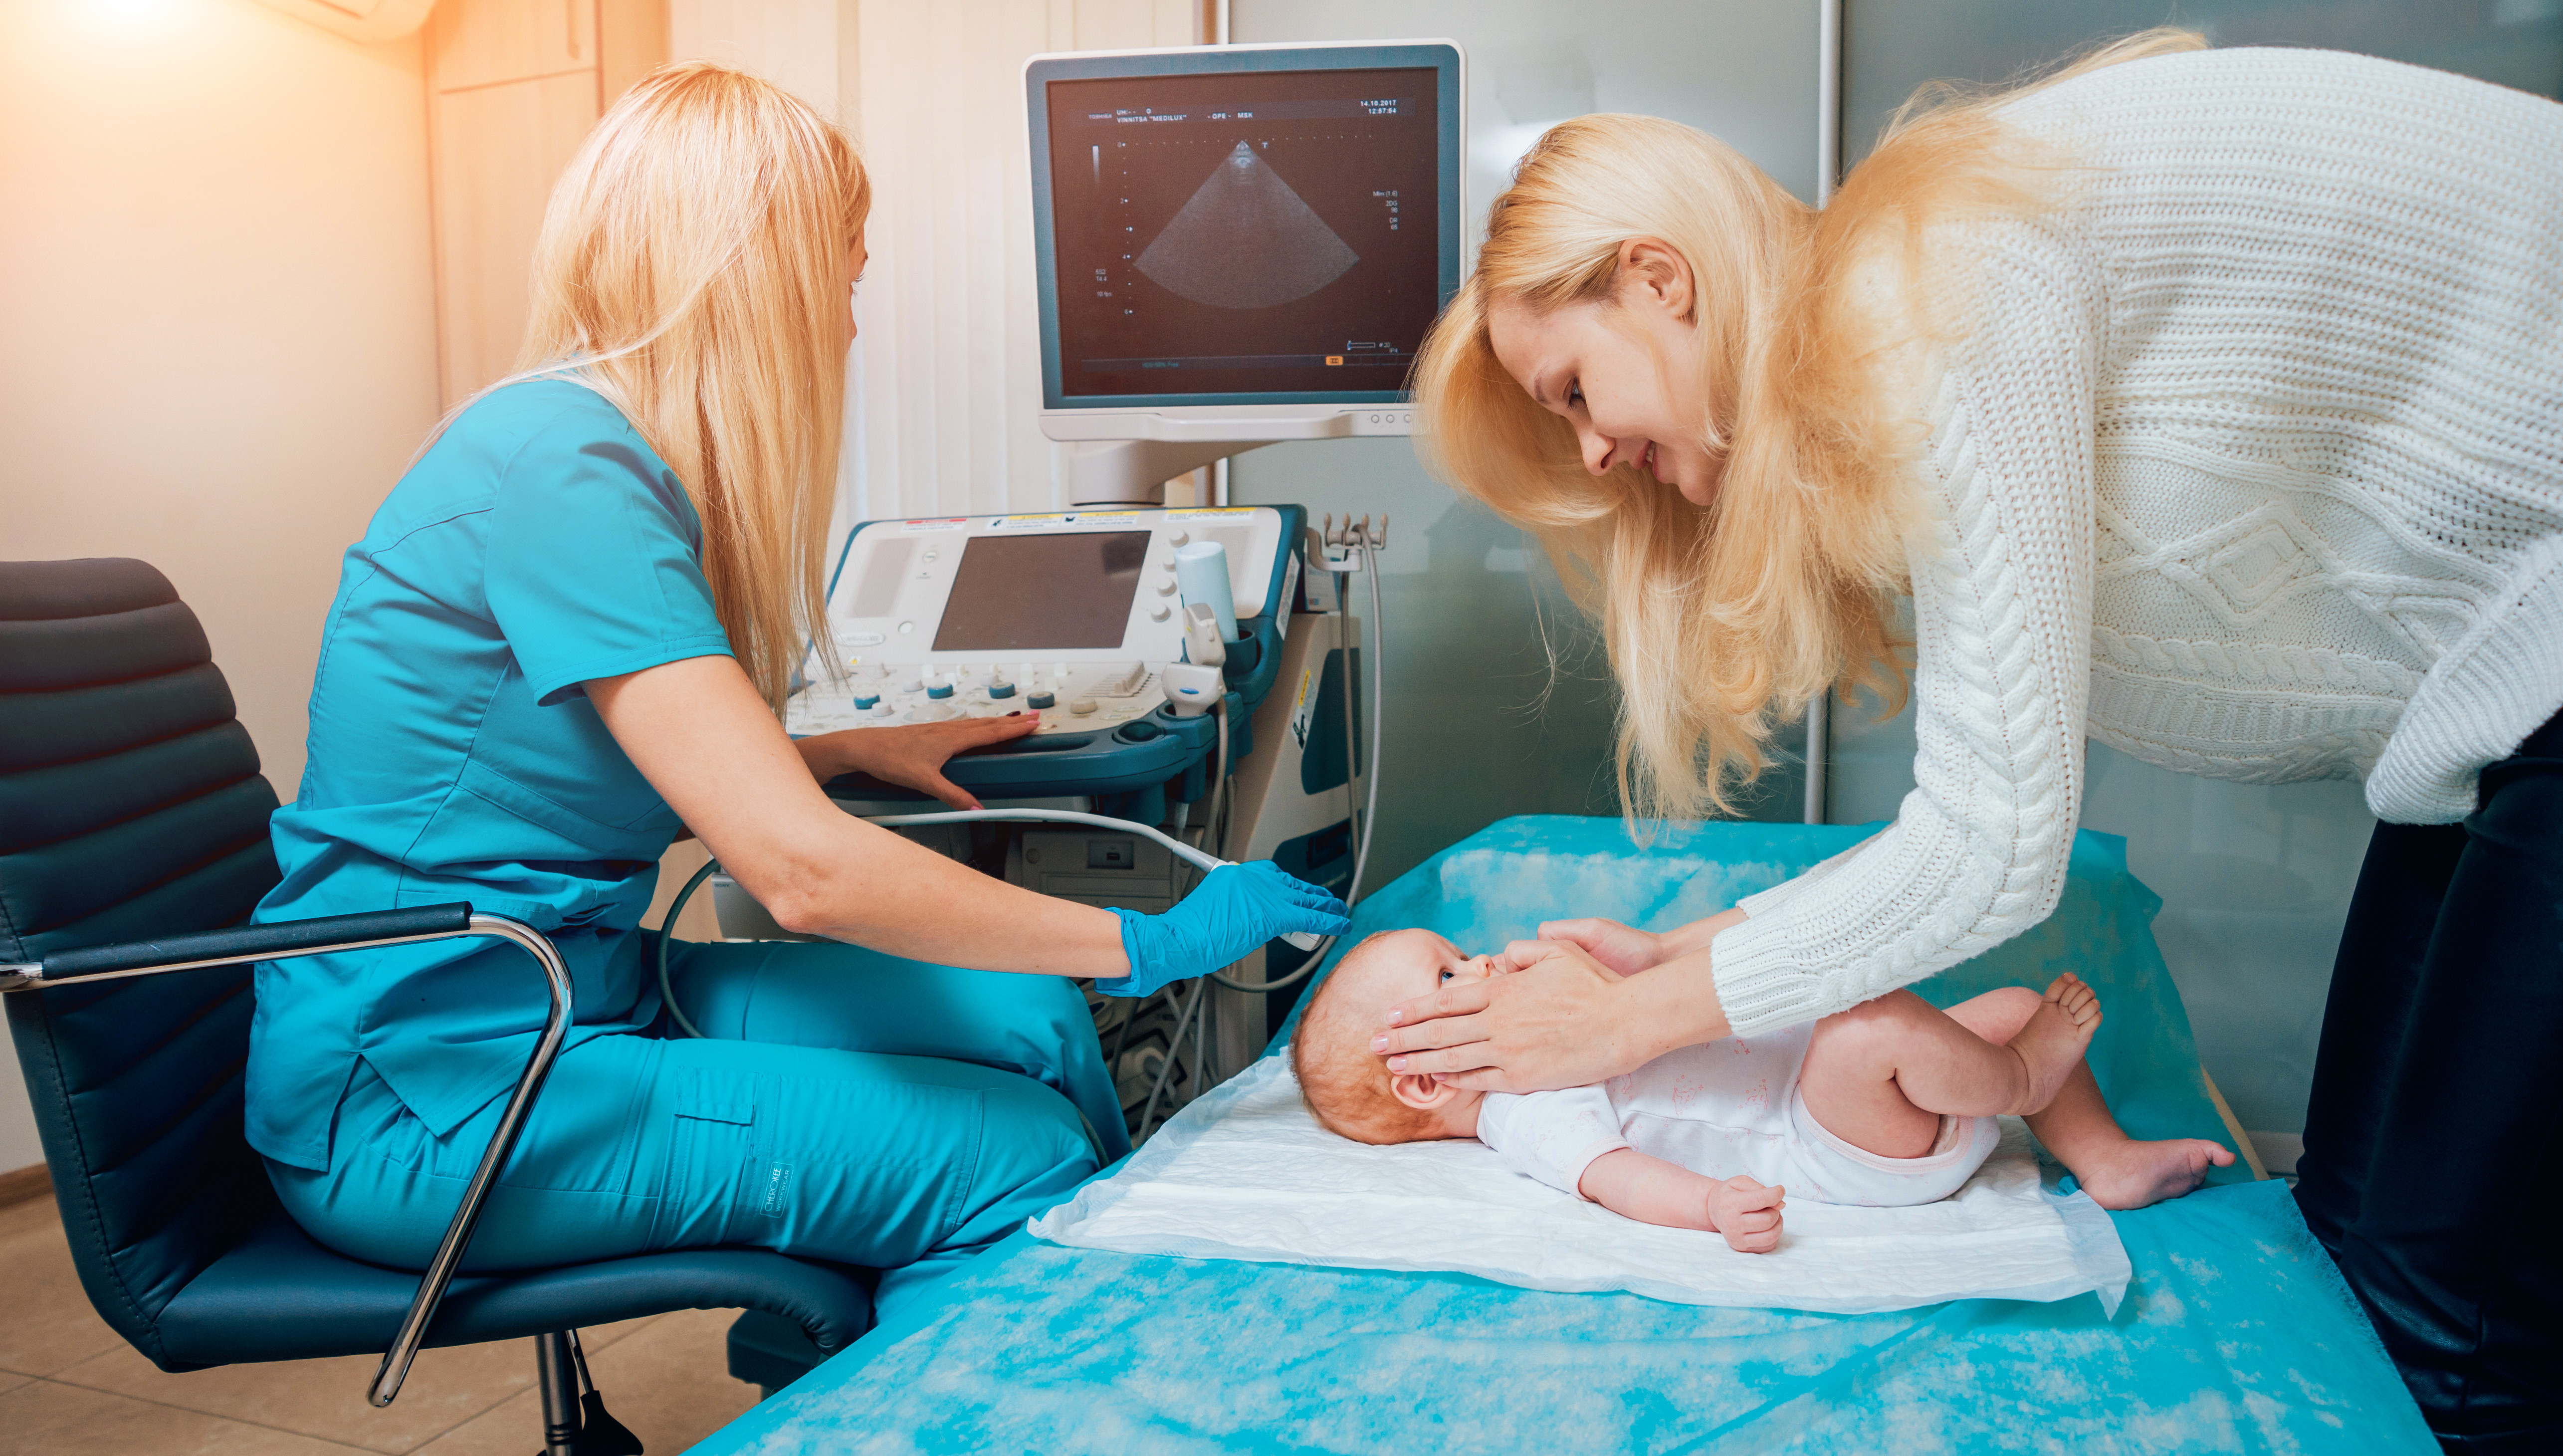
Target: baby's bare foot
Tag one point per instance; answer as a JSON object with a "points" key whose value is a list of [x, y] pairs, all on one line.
{"points": [[2052, 1043], [2134, 1174]]}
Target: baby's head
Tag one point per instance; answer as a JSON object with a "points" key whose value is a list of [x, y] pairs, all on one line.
{"points": [[1346, 1084]]}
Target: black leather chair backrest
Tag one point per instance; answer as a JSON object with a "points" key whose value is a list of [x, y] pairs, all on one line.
{"points": [[130, 806]]}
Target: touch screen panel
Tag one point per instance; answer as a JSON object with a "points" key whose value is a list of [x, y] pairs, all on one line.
{"points": [[1241, 232], [1037, 592]]}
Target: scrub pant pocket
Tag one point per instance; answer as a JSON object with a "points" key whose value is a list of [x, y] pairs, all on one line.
{"points": [[803, 993], [908, 1164]]}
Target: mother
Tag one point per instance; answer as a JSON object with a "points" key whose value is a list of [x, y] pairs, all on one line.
{"points": [[2207, 404], [562, 642]]}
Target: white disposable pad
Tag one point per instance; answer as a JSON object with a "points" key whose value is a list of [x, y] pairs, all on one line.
{"points": [[1247, 1173]]}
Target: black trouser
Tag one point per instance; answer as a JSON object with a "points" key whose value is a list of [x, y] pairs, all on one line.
{"points": [[2431, 1139]]}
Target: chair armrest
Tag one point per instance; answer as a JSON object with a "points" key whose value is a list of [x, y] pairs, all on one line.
{"points": [[261, 942], [289, 939]]}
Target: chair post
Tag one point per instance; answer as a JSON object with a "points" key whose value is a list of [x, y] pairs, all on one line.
{"points": [[559, 1382]]}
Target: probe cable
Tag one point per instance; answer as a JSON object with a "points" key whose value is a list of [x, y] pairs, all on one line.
{"points": [[1366, 822], [1362, 824]]}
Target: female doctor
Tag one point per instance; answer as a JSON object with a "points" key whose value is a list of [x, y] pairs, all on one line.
{"points": [[562, 642], [2207, 404]]}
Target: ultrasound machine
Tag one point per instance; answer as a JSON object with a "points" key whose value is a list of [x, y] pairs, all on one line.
{"points": [[1237, 246]]}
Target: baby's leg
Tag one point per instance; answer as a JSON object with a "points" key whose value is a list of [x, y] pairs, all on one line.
{"points": [[2115, 1169], [1882, 1074]]}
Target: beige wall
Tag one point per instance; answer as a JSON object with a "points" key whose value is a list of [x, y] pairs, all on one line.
{"points": [[217, 331], [217, 339]]}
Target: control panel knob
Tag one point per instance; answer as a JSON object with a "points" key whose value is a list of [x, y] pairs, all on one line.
{"points": [[912, 685], [1041, 699], [887, 709], [940, 689], [867, 701], [1000, 689], [1160, 612], [1166, 587], [1081, 707], [1178, 536]]}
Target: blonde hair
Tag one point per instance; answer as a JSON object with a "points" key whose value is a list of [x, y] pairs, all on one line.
{"points": [[691, 270], [1344, 1084], [1721, 622]]}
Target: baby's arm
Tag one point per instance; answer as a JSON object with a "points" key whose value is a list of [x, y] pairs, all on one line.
{"points": [[1652, 1190]]}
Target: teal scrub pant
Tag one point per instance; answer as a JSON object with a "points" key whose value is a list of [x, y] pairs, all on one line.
{"points": [[844, 1105]]}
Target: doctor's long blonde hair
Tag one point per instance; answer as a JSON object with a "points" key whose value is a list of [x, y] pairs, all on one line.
{"points": [[691, 270], [1723, 622]]}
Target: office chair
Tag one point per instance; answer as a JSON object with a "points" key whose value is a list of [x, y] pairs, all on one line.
{"points": [[133, 844]]}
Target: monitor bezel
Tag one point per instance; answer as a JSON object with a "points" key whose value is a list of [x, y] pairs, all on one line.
{"points": [[1441, 56]]}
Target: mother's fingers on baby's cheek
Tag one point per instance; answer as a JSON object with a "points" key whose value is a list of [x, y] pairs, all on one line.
{"points": [[1452, 1000], [1486, 1079], [1468, 1058], [1449, 1032]]}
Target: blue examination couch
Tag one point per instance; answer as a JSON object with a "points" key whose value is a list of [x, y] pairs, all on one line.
{"points": [[2235, 1335]]}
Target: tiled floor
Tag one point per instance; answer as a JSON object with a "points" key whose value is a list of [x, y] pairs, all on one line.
{"points": [[69, 1386]]}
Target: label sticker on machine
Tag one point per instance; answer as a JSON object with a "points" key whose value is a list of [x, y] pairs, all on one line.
{"points": [[1211, 512], [1304, 709], [954, 522]]}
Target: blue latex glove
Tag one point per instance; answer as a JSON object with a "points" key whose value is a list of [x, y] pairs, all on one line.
{"points": [[1234, 908]]}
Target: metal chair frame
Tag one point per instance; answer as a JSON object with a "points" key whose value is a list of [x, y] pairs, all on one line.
{"points": [[291, 940]]}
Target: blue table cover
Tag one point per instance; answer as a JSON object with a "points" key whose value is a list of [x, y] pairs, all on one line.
{"points": [[2237, 1334]]}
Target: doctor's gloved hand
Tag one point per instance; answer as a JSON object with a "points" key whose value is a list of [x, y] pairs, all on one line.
{"points": [[1234, 908]]}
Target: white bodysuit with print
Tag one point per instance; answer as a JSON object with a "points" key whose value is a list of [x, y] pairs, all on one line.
{"points": [[1721, 1108]]}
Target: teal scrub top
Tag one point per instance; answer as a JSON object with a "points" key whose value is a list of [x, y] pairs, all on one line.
{"points": [[454, 755]]}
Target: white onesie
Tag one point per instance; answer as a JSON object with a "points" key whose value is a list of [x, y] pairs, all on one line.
{"points": [[1721, 1108]]}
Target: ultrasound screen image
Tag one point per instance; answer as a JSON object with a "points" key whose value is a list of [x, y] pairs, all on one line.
{"points": [[1036, 592], [1246, 241], [1244, 232]]}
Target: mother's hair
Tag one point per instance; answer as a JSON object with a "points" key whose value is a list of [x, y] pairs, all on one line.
{"points": [[1721, 622]]}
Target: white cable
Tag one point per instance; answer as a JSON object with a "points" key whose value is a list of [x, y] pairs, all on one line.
{"points": [[1219, 785], [1185, 852], [1182, 851], [1315, 946], [1367, 827], [1174, 1051]]}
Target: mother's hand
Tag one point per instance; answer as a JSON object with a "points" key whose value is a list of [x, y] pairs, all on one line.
{"points": [[1625, 949], [1562, 1018]]}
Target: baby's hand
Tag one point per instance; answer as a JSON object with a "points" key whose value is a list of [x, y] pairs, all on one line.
{"points": [[1747, 1212]]}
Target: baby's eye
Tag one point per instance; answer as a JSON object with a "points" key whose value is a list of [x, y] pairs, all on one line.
{"points": [[1445, 975], [1575, 394]]}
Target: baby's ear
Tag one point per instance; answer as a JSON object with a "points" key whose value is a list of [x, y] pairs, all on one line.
{"points": [[1418, 1090]]}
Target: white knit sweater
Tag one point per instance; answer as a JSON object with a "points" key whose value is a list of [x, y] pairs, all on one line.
{"points": [[2250, 465]]}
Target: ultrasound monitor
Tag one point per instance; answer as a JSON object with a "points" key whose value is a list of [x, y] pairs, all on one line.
{"points": [[1240, 244]]}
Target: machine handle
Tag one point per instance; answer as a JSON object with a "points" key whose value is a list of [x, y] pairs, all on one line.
{"points": [[259, 942]]}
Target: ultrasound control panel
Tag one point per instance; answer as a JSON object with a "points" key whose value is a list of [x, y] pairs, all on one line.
{"points": [[1072, 614]]}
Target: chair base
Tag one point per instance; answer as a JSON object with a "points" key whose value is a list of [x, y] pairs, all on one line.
{"points": [[770, 1351], [575, 1424]]}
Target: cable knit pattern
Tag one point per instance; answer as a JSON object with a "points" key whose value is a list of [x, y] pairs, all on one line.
{"points": [[2250, 465]]}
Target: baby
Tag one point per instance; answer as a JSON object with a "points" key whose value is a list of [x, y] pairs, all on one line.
{"points": [[1888, 1103]]}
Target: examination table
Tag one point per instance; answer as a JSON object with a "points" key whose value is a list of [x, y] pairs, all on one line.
{"points": [[2237, 1334]]}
